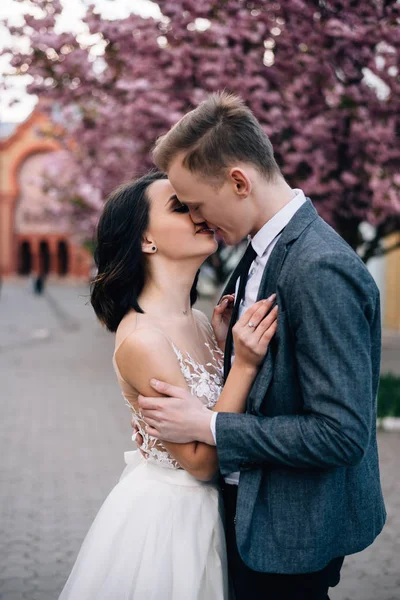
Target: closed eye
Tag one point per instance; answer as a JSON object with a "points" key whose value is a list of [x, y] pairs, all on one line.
{"points": [[181, 208]]}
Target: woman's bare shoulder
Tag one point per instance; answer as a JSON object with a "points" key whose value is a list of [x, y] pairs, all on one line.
{"points": [[146, 353], [143, 339]]}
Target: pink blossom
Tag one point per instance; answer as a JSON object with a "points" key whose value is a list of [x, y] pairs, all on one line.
{"points": [[333, 132]]}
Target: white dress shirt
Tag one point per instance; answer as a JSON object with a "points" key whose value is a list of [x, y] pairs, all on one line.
{"points": [[263, 243]]}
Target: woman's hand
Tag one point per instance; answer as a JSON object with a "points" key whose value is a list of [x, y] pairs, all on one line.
{"points": [[221, 318], [253, 332]]}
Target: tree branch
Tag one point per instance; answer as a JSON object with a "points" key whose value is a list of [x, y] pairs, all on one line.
{"points": [[379, 252]]}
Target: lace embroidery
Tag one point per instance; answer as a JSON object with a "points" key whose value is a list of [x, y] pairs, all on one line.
{"points": [[204, 381]]}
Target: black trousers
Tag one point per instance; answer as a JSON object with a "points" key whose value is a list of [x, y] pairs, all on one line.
{"points": [[252, 585]]}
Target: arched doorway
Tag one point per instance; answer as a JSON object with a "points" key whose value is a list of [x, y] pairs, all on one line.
{"points": [[44, 258], [62, 258], [24, 258], [17, 146]]}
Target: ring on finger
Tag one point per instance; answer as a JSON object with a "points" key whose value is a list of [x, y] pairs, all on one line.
{"points": [[250, 324]]}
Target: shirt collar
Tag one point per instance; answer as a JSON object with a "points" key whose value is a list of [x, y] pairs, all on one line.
{"points": [[274, 226]]}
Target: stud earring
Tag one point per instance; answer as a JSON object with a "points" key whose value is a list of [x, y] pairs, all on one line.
{"points": [[154, 248]]}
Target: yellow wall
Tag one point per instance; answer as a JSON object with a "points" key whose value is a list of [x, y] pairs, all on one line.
{"points": [[392, 305]]}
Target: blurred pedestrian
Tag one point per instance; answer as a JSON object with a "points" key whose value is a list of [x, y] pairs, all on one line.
{"points": [[39, 283]]}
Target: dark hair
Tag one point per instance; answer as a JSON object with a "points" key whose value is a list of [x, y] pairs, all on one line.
{"points": [[118, 254], [221, 130]]}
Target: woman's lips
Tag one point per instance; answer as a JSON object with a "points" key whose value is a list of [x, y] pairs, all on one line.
{"points": [[206, 231]]}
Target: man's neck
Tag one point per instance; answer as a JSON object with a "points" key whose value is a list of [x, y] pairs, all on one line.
{"points": [[270, 198]]}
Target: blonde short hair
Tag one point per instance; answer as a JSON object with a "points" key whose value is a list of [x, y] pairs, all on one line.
{"points": [[220, 131]]}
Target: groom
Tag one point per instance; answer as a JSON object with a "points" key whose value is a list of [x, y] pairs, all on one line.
{"points": [[301, 473]]}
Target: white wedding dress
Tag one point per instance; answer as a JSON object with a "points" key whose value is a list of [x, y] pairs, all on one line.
{"points": [[159, 534]]}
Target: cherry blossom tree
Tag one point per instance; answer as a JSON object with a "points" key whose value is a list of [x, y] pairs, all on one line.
{"points": [[322, 77]]}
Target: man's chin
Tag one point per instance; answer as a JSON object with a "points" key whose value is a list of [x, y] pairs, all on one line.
{"points": [[222, 235], [228, 239]]}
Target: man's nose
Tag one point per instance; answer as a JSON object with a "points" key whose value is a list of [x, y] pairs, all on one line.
{"points": [[196, 218]]}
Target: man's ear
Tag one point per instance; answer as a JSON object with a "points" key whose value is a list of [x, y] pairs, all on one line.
{"points": [[240, 181]]}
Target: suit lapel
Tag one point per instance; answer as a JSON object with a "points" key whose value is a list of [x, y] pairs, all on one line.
{"points": [[272, 270], [229, 287], [300, 221], [268, 286]]}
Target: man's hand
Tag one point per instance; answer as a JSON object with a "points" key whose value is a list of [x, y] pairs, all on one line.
{"points": [[179, 418]]}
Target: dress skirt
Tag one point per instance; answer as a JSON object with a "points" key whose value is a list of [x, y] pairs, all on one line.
{"points": [[159, 535]]}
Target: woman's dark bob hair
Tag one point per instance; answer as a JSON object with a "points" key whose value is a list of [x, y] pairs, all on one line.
{"points": [[121, 264]]}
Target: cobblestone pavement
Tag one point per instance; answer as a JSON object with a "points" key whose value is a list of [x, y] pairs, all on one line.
{"points": [[63, 431]]}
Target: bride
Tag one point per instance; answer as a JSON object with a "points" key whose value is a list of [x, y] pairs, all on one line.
{"points": [[159, 534]]}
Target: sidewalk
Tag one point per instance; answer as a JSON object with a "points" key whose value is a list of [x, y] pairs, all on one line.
{"points": [[63, 431], [390, 353]]}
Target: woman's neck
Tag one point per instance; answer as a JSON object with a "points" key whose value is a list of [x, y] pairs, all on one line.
{"points": [[167, 291]]}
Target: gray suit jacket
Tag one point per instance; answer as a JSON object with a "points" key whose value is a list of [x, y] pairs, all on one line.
{"points": [[306, 450]]}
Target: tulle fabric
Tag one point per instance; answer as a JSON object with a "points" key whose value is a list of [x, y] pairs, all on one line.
{"points": [[158, 536]]}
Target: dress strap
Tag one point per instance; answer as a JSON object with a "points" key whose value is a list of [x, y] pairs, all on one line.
{"points": [[136, 326], [126, 336], [174, 347]]}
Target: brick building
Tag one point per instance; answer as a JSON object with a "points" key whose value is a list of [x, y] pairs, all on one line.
{"points": [[30, 243]]}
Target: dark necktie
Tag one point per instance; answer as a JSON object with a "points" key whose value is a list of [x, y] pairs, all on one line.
{"points": [[242, 271]]}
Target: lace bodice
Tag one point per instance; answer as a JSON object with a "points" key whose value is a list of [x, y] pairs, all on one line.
{"points": [[204, 381]]}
